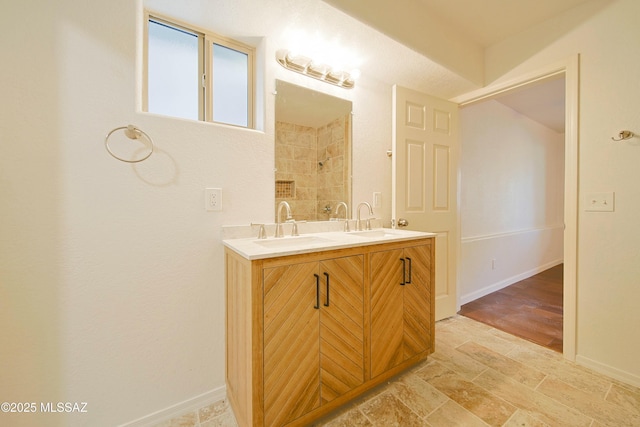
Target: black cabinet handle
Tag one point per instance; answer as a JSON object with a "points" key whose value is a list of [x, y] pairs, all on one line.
{"points": [[404, 268], [317, 306], [326, 304], [409, 281]]}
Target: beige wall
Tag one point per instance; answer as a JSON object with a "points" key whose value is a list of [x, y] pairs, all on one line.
{"points": [[313, 168], [111, 275], [334, 176], [604, 34], [297, 169]]}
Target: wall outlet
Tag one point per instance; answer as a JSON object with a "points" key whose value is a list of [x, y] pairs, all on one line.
{"points": [[213, 199], [493, 264], [599, 202]]}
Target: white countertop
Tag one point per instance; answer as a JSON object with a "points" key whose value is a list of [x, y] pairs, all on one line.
{"points": [[254, 248]]}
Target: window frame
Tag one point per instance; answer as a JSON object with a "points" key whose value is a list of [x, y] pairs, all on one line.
{"points": [[206, 40]]}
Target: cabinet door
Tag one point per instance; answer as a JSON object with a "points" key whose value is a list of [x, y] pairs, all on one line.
{"points": [[341, 326], [386, 311], [417, 301], [291, 342]]}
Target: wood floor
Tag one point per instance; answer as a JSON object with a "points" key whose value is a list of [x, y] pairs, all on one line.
{"points": [[530, 309]]}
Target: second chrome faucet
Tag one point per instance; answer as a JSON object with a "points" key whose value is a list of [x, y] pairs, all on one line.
{"points": [[346, 215], [279, 228], [368, 221]]}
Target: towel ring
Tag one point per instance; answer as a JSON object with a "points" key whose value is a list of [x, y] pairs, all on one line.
{"points": [[130, 132]]}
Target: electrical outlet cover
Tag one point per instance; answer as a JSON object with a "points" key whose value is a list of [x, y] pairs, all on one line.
{"points": [[213, 199]]}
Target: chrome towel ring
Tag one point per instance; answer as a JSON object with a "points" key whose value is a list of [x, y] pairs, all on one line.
{"points": [[130, 132]]}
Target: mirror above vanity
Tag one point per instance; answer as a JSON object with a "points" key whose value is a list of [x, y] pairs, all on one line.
{"points": [[312, 152]]}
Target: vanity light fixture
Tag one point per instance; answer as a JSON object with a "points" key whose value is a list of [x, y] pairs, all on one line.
{"points": [[305, 65]]}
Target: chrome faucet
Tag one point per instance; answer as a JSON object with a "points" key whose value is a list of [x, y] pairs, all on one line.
{"points": [[358, 222], [262, 233], [279, 231], [346, 218]]}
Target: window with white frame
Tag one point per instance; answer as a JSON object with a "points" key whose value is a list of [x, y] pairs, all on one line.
{"points": [[197, 75]]}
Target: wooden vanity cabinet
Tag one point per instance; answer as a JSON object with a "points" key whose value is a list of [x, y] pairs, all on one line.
{"points": [[313, 335], [401, 306], [304, 332]]}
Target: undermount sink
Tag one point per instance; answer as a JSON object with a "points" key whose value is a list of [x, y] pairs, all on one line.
{"points": [[322, 238], [283, 242], [371, 234]]}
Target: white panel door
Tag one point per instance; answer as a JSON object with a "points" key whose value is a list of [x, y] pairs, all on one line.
{"points": [[425, 181]]}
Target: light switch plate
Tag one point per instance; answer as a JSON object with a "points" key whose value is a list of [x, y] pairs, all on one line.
{"points": [[377, 199], [599, 202]]}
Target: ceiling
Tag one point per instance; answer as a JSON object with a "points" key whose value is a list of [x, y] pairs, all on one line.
{"points": [[490, 21], [542, 102], [483, 22], [477, 22]]}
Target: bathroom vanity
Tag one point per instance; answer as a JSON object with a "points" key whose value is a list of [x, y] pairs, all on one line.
{"points": [[316, 320]]}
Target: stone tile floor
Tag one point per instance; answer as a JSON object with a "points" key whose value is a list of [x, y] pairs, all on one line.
{"points": [[478, 376]]}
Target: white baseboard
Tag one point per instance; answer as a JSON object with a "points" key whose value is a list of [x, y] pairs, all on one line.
{"points": [[610, 371], [464, 299], [181, 408]]}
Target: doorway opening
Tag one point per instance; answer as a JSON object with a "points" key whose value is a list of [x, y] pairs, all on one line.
{"points": [[543, 235]]}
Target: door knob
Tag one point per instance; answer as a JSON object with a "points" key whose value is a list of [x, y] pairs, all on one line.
{"points": [[402, 222]]}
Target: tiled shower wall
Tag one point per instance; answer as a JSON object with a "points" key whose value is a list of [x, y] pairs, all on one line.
{"points": [[313, 168]]}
